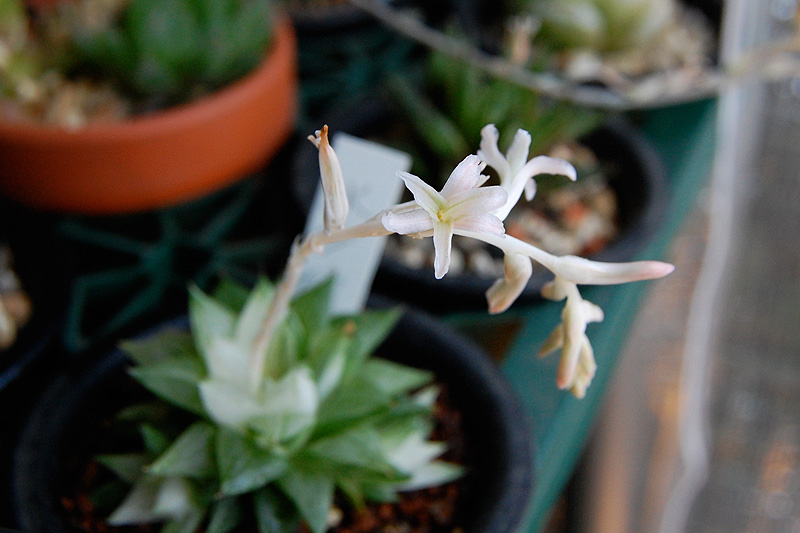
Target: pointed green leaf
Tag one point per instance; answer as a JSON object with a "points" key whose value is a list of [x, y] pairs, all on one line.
{"points": [[367, 331], [231, 294], [148, 411], [138, 507], [129, 467], [312, 306], [248, 325], [174, 380], [156, 441], [191, 455], [359, 447], [166, 344], [353, 489], [274, 512], [312, 493], [226, 514], [393, 378], [243, 466], [208, 318], [432, 474], [185, 524], [350, 404], [284, 348]]}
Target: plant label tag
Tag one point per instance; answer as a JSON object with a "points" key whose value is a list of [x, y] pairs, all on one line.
{"points": [[370, 176]]}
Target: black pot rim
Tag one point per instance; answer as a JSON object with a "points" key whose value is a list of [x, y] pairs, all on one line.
{"points": [[642, 193], [476, 385]]}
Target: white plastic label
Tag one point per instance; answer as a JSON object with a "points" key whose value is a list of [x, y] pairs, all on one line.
{"points": [[370, 176]]}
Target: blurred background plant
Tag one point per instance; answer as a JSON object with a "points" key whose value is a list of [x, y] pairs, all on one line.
{"points": [[612, 41], [453, 101], [100, 60]]}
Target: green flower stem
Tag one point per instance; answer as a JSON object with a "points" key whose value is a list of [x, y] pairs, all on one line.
{"points": [[299, 254]]}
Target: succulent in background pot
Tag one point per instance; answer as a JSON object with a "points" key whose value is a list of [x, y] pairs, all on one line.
{"points": [[241, 107]]}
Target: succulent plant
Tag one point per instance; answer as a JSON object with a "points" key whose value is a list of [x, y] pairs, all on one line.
{"points": [[19, 62], [601, 25], [170, 50], [463, 99], [326, 416]]}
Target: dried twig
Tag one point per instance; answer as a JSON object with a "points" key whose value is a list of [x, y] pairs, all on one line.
{"points": [[775, 60]]}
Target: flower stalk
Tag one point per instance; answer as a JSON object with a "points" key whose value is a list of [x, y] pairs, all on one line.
{"points": [[466, 207]]}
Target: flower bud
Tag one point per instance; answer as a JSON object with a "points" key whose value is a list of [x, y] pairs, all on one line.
{"points": [[336, 204], [505, 291]]}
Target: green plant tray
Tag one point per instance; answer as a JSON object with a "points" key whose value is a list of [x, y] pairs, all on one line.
{"points": [[561, 424]]}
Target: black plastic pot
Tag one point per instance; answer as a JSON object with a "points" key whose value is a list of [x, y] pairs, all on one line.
{"points": [[493, 418], [639, 182]]}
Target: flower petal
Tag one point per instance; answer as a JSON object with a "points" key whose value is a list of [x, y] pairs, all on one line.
{"points": [[547, 165], [442, 243], [530, 189], [408, 222], [584, 271], [505, 291], [481, 224], [517, 154], [426, 196], [592, 312], [475, 202], [490, 153], [553, 342], [465, 177]]}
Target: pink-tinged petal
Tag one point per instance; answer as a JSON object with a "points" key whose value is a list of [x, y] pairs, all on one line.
{"points": [[592, 312], [491, 154], [517, 154], [475, 202], [586, 272], [505, 291], [407, 222], [554, 290], [442, 243], [585, 371], [568, 364], [553, 342], [425, 195], [465, 177], [547, 165], [574, 328]]}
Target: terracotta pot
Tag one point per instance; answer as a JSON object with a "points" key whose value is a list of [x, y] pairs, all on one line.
{"points": [[157, 160]]}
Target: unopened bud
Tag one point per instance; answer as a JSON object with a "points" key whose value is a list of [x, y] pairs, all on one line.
{"points": [[336, 204], [505, 291]]}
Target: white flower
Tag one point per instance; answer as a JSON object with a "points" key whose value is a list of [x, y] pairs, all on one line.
{"points": [[506, 290], [577, 366], [461, 204], [516, 172], [336, 204]]}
